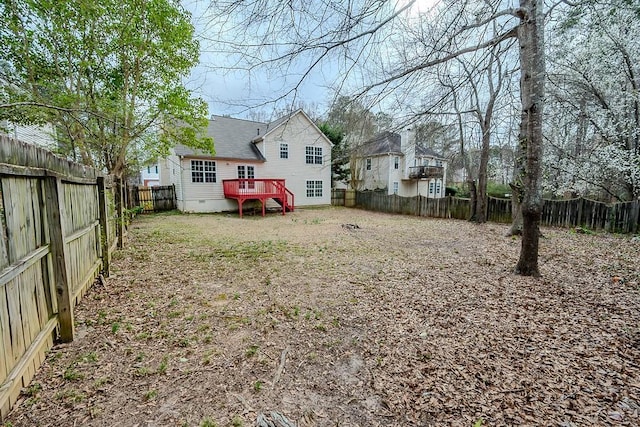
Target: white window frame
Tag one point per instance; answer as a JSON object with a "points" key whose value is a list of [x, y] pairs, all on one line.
{"points": [[314, 188], [313, 155], [284, 150], [203, 171], [247, 172], [396, 162], [396, 187], [368, 164]]}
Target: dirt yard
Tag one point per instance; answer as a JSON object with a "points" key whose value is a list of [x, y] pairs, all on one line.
{"points": [[211, 320]]}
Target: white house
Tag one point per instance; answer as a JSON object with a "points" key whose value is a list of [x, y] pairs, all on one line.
{"points": [[150, 176], [395, 162], [40, 135], [251, 156]]}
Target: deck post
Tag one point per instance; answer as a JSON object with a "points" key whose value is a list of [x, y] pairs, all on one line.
{"points": [[264, 202], [240, 201]]}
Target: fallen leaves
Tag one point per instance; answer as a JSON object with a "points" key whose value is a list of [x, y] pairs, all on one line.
{"points": [[401, 321]]}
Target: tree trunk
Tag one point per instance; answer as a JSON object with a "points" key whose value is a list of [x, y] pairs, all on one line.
{"points": [[481, 197], [517, 190], [473, 203], [532, 62]]}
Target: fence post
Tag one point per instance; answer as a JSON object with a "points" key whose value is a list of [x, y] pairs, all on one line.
{"points": [[56, 219], [119, 196], [103, 207]]}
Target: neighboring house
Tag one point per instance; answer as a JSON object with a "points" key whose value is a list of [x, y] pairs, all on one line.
{"points": [[395, 162], [150, 176], [40, 135], [251, 157]]}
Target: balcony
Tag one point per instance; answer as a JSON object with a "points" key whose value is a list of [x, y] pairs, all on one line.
{"points": [[425, 172]]}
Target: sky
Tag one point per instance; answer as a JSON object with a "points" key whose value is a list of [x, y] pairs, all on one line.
{"points": [[240, 94]]}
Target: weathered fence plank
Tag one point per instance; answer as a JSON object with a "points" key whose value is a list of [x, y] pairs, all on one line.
{"points": [[618, 218], [52, 214]]}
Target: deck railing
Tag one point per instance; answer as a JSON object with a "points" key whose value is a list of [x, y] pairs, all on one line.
{"points": [[261, 187], [419, 172]]}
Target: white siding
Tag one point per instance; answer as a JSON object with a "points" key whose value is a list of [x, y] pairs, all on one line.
{"points": [[40, 135], [383, 174], [298, 133], [378, 177]]}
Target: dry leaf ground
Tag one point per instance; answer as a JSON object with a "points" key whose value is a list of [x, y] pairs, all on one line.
{"points": [[211, 319]]}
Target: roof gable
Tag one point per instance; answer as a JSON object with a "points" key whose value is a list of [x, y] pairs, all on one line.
{"points": [[390, 143], [271, 127], [236, 138]]}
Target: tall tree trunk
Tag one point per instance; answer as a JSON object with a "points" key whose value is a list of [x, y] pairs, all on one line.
{"points": [[473, 202], [517, 190], [532, 62], [481, 193]]}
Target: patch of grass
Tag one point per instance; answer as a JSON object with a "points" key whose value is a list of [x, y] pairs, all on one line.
{"points": [[71, 374], [150, 395], [174, 314], [251, 351], [140, 356], [115, 327], [90, 357], [101, 381], [257, 386], [162, 369], [142, 336], [251, 250], [237, 421], [72, 395], [207, 422], [33, 389], [142, 371]]}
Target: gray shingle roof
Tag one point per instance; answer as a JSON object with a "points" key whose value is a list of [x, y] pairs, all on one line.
{"points": [[389, 143], [231, 138]]}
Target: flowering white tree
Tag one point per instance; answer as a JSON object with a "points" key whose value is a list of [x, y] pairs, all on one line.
{"points": [[593, 125]]}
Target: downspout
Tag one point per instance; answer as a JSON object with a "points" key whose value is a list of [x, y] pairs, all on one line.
{"points": [[184, 203]]}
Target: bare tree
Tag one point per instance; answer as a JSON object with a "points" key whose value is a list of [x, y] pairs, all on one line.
{"points": [[386, 54]]}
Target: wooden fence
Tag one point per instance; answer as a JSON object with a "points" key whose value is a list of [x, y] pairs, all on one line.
{"points": [[616, 218], [153, 199], [58, 225]]}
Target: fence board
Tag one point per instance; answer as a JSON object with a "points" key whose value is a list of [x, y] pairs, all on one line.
{"points": [[619, 218], [50, 253]]}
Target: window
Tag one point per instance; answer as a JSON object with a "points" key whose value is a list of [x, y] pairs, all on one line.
{"points": [[395, 186], [438, 184], [439, 163], [156, 168], [314, 188], [396, 162], [203, 171], [313, 155], [431, 187], [284, 151], [368, 164], [246, 172]]}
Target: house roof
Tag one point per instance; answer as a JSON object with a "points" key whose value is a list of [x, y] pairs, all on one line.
{"points": [[389, 143], [232, 139], [236, 138]]}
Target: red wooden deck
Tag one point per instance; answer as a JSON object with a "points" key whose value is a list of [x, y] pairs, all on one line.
{"points": [[259, 189]]}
